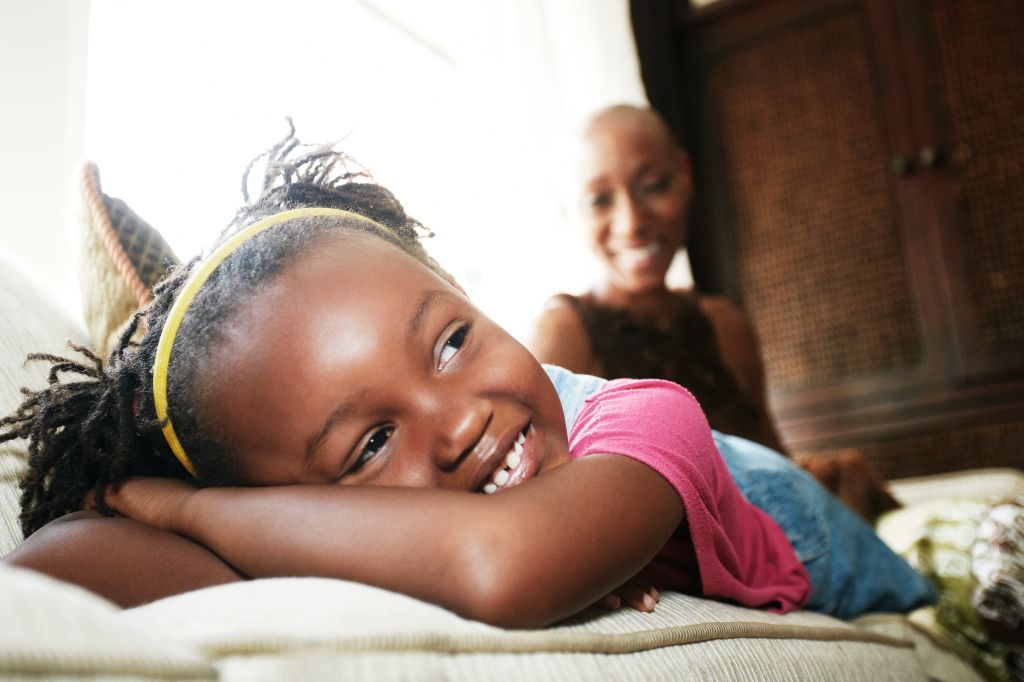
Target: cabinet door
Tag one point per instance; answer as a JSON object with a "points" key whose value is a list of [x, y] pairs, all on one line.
{"points": [[831, 190], [969, 59]]}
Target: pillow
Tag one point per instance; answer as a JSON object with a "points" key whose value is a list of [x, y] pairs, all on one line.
{"points": [[32, 322], [317, 628], [973, 549], [123, 256], [54, 630]]}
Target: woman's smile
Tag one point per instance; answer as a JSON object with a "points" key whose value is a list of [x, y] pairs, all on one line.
{"points": [[641, 257]]}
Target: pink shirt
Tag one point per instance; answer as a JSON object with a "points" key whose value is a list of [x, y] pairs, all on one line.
{"points": [[726, 548]]}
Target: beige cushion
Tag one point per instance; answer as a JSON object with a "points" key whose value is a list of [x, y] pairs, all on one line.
{"points": [[312, 628], [30, 321], [53, 630], [989, 483], [122, 257]]}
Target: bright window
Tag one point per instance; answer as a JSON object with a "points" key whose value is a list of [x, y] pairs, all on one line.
{"points": [[454, 105]]}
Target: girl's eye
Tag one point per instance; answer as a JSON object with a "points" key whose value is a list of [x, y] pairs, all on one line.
{"points": [[374, 444], [452, 345]]}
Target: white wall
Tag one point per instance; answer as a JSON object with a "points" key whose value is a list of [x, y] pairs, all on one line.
{"points": [[42, 121], [165, 89], [455, 105]]}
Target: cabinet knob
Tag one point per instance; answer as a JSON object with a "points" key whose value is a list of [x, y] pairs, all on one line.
{"points": [[929, 157]]}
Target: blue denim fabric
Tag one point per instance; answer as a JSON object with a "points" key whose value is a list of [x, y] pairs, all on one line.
{"points": [[852, 571]]}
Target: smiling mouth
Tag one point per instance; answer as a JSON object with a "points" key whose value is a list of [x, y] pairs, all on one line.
{"points": [[635, 255], [512, 468]]}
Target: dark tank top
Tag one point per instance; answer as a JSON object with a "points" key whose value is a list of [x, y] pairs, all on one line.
{"points": [[685, 351]]}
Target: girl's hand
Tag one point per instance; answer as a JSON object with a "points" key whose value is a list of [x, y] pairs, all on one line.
{"points": [[637, 592], [158, 502]]}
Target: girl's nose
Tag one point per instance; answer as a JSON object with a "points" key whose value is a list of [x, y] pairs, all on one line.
{"points": [[460, 426]]}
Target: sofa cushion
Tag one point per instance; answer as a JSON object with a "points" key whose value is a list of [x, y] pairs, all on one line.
{"points": [[122, 257], [32, 322], [315, 628], [50, 629]]}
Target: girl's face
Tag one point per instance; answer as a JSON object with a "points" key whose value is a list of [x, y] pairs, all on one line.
{"points": [[360, 366], [633, 203]]}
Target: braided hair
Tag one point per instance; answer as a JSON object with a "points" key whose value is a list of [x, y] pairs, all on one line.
{"points": [[95, 423]]}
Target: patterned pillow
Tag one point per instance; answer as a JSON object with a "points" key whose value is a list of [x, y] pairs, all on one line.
{"points": [[973, 550], [123, 256]]}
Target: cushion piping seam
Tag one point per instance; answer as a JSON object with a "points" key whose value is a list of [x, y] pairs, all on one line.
{"points": [[90, 187]]}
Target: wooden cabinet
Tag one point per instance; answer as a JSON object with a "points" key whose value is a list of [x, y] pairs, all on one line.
{"points": [[860, 174]]}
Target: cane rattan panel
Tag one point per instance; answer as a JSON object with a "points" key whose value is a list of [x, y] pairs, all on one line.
{"points": [[991, 445], [979, 50], [818, 247]]}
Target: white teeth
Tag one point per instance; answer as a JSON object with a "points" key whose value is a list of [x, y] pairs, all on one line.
{"points": [[631, 256], [513, 459]]}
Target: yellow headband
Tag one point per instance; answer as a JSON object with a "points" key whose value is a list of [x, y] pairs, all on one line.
{"points": [[189, 291]]}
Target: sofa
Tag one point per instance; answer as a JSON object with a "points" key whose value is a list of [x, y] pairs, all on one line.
{"points": [[313, 628]]}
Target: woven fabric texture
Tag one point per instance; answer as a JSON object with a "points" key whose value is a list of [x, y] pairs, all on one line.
{"points": [[122, 257]]}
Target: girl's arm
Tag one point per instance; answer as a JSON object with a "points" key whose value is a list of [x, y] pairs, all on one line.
{"points": [[127, 562], [524, 557]]}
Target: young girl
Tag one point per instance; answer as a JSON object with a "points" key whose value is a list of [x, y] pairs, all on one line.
{"points": [[317, 396]]}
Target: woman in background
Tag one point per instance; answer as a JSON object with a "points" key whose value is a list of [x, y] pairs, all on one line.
{"points": [[633, 191]]}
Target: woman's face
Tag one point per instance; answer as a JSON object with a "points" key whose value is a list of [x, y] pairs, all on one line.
{"points": [[635, 195], [360, 366]]}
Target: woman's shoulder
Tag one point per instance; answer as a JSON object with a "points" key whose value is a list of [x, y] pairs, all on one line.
{"points": [[728, 320], [560, 336], [560, 315], [739, 347], [721, 308], [564, 302]]}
